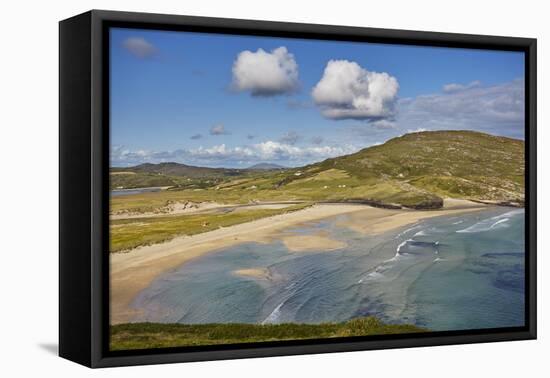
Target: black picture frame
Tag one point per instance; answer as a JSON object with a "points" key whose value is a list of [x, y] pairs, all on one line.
{"points": [[84, 186]]}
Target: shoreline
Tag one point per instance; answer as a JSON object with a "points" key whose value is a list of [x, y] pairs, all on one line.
{"points": [[148, 262]]}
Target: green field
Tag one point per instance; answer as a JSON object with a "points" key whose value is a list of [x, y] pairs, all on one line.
{"points": [[156, 335]]}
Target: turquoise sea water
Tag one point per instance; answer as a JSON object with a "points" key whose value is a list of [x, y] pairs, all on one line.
{"points": [[445, 273]]}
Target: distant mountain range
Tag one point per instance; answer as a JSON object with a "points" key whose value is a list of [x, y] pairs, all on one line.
{"points": [[414, 170]]}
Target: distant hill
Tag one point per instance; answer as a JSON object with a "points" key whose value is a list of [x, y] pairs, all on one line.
{"points": [[265, 167], [169, 174], [179, 175], [177, 169]]}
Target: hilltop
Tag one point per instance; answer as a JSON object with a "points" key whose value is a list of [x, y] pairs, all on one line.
{"points": [[415, 170]]}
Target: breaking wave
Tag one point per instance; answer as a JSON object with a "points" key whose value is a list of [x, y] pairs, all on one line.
{"points": [[499, 221]]}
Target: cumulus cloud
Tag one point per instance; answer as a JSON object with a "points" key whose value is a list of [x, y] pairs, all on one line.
{"points": [[290, 137], [218, 129], [453, 87], [348, 91], [139, 47], [196, 136], [497, 109], [265, 73], [222, 155]]}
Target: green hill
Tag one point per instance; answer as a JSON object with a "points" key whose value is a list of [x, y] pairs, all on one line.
{"points": [[176, 169], [179, 175], [170, 174], [418, 168]]}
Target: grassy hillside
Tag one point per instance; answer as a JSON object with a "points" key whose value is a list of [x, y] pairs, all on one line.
{"points": [[155, 335], [461, 164], [415, 170]]}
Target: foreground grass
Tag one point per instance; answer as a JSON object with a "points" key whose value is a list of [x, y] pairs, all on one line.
{"points": [[159, 335], [127, 234]]}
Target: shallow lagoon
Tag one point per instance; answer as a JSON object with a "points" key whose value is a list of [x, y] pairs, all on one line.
{"points": [[446, 273]]}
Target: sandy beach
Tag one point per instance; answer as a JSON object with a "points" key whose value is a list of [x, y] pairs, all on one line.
{"points": [[134, 271], [311, 243]]}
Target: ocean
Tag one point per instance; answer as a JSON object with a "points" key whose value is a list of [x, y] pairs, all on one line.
{"points": [[451, 272]]}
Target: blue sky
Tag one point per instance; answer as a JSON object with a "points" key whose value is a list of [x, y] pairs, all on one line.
{"points": [[217, 100]]}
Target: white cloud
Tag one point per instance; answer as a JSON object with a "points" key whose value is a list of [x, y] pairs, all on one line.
{"points": [[265, 73], [218, 129], [221, 155], [497, 109], [139, 47], [348, 91], [453, 87]]}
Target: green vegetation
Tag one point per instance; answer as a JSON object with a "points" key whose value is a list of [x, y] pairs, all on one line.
{"points": [[155, 335], [131, 233]]}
